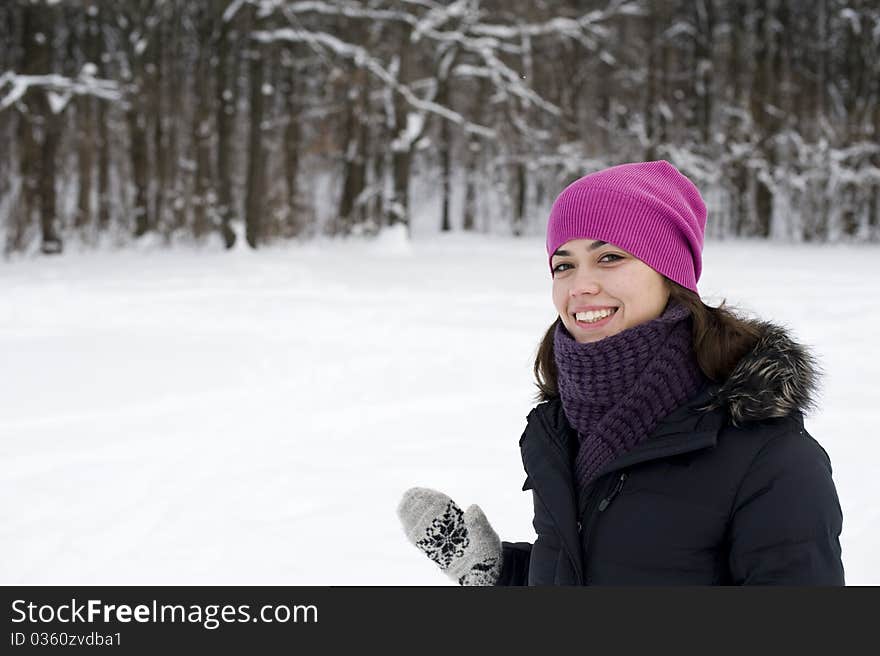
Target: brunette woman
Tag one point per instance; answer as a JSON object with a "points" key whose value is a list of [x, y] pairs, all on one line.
{"points": [[668, 447]]}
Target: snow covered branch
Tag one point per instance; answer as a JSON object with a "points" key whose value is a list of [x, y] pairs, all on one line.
{"points": [[363, 59], [485, 47], [59, 88], [560, 25], [437, 15]]}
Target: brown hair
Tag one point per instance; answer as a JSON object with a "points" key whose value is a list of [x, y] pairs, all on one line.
{"points": [[720, 337]]}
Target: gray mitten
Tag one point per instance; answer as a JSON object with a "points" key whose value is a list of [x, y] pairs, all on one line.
{"points": [[464, 545]]}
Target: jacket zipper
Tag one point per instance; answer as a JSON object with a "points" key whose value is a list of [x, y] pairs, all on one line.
{"points": [[603, 505], [593, 519]]}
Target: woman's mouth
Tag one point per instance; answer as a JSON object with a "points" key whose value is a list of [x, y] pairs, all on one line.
{"points": [[594, 320]]}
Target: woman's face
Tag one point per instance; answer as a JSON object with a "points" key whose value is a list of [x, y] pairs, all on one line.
{"points": [[596, 277]]}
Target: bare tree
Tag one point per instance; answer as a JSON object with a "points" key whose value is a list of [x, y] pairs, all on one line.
{"points": [[289, 117]]}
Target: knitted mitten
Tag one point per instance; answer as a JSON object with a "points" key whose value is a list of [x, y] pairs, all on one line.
{"points": [[464, 545]]}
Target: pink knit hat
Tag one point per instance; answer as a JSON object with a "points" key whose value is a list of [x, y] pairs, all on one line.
{"points": [[648, 209]]}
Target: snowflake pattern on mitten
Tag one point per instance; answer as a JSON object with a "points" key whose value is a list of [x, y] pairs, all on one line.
{"points": [[483, 573], [446, 538]]}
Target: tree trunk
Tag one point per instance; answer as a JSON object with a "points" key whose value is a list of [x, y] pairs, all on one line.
{"points": [[519, 198], [39, 29], [404, 143], [203, 194], [703, 76], [136, 114], [651, 83], [737, 28], [400, 171], [175, 131], [103, 168], [136, 120], [354, 176], [736, 171], [256, 178], [51, 241], [472, 157], [137, 130], [764, 105], [86, 137], [821, 65], [29, 163], [472, 160], [160, 119], [379, 159], [98, 48], [85, 160], [445, 148], [874, 213], [292, 146], [225, 107]]}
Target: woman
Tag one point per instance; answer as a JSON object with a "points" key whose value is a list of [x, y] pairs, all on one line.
{"points": [[669, 446]]}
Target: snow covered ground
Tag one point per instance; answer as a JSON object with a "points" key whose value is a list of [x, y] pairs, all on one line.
{"points": [[200, 417]]}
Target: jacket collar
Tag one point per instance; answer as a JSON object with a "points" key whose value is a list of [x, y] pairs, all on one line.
{"points": [[688, 428], [775, 379], [778, 377]]}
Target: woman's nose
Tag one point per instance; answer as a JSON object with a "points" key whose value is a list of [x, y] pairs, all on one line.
{"points": [[585, 284], [592, 290]]}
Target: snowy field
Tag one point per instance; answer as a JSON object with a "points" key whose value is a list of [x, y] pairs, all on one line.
{"points": [[200, 417]]}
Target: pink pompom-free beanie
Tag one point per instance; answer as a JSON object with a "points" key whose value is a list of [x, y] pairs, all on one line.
{"points": [[649, 209]]}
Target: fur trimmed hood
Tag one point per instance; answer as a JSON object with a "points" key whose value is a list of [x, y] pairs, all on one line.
{"points": [[777, 377]]}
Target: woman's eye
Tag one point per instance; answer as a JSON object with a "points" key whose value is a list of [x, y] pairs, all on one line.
{"points": [[556, 269], [616, 257]]}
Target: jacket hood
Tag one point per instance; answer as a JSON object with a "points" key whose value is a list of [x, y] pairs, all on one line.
{"points": [[777, 377]]}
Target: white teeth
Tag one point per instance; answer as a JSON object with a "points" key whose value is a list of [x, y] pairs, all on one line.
{"points": [[592, 315]]}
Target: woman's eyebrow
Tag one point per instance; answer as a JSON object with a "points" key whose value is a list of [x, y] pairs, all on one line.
{"points": [[592, 247]]}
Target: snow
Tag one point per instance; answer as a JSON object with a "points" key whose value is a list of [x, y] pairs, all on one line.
{"points": [[57, 101], [233, 8], [414, 124], [363, 59], [854, 20], [61, 87], [438, 16], [19, 87], [208, 417], [607, 58]]}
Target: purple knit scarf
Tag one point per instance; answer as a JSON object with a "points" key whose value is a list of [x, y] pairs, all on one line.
{"points": [[615, 391]]}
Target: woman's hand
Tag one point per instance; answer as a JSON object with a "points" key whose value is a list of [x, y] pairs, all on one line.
{"points": [[464, 545]]}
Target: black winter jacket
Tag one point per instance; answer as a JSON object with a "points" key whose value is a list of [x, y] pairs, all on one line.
{"points": [[729, 489]]}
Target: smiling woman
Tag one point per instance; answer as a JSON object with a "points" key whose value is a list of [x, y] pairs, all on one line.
{"points": [[668, 447], [600, 289]]}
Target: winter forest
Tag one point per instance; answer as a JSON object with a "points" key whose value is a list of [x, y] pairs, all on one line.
{"points": [[266, 120], [269, 263]]}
